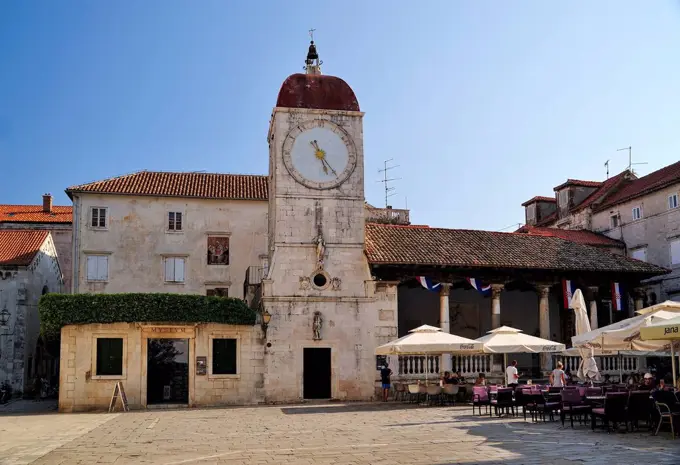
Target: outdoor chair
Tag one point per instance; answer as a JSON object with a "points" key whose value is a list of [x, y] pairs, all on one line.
{"points": [[573, 405], [554, 389], [399, 391], [503, 401], [639, 409], [546, 405], [413, 393], [666, 414], [480, 396], [434, 394], [450, 392], [614, 411], [668, 398], [523, 399], [593, 391]]}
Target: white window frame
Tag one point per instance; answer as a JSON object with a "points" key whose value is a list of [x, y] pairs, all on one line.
{"points": [[93, 371], [173, 259], [637, 213], [99, 210], [531, 212], [674, 257], [672, 201], [99, 276], [236, 336], [636, 251], [173, 222], [614, 221], [563, 198]]}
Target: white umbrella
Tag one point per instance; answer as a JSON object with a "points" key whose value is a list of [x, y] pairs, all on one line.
{"points": [[587, 369], [668, 330], [507, 340], [429, 340]]}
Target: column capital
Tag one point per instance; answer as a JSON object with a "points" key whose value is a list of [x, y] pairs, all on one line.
{"points": [[543, 290], [639, 292], [496, 290], [445, 289]]}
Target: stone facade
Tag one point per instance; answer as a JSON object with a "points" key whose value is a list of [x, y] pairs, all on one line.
{"points": [[653, 232], [20, 290], [137, 242], [357, 313], [82, 390]]}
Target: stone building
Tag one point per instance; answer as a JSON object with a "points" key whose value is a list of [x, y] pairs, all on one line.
{"points": [[331, 276], [640, 213], [46, 217], [29, 268]]}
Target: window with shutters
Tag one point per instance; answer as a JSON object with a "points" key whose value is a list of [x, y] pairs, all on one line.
{"points": [[672, 201], [637, 213], [224, 356], [109, 356], [675, 251], [98, 217], [614, 220], [217, 292], [174, 269], [639, 254], [531, 213], [563, 197], [174, 221], [97, 267]]}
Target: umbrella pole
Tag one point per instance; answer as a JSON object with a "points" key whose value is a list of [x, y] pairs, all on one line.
{"points": [[620, 372], [673, 363], [505, 365]]}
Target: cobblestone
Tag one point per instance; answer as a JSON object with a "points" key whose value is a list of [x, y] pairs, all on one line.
{"points": [[323, 434]]}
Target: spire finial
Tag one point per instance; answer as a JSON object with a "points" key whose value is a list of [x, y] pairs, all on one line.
{"points": [[312, 63]]}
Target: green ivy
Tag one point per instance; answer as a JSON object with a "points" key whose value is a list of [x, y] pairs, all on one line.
{"points": [[58, 310]]}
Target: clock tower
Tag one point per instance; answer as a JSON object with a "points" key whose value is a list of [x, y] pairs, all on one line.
{"points": [[318, 289]]}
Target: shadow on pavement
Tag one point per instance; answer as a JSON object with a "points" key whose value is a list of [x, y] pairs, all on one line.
{"points": [[329, 407]]}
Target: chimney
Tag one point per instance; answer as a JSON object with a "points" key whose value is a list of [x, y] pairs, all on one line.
{"points": [[47, 203]]}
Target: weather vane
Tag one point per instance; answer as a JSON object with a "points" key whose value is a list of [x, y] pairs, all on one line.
{"points": [[311, 33]]}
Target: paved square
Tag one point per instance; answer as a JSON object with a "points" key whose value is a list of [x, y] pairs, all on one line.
{"points": [[318, 434]]}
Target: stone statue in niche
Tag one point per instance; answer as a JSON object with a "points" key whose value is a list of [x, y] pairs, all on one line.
{"points": [[320, 251], [305, 283], [316, 326], [336, 283]]}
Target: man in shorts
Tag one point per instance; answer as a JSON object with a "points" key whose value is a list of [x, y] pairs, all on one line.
{"points": [[385, 374]]}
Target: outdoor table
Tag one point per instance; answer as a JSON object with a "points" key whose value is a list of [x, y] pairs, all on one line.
{"points": [[596, 400]]}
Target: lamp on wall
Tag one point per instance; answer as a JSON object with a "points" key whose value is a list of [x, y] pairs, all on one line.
{"points": [[266, 318]]}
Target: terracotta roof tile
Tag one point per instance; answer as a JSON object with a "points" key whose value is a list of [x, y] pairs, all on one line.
{"points": [[604, 190], [659, 179], [575, 235], [539, 198], [18, 247], [407, 245], [578, 182], [198, 185], [34, 214]]}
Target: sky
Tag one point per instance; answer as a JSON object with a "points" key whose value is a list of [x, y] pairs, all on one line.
{"points": [[481, 104]]}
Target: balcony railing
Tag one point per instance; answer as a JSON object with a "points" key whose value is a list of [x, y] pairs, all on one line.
{"points": [[387, 215]]}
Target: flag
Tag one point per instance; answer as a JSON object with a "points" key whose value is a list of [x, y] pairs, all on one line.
{"points": [[428, 284], [618, 297], [484, 289], [568, 289]]}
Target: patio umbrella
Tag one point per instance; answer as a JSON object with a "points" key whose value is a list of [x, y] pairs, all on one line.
{"points": [[429, 340], [506, 340], [668, 330], [587, 369]]}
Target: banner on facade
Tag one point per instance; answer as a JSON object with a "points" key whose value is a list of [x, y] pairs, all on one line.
{"points": [[483, 288], [618, 297], [568, 289], [428, 284]]}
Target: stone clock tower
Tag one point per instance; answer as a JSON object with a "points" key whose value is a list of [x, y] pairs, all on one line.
{"points": [[319, 292]]}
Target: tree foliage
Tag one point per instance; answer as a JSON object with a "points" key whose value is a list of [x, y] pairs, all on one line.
{"points": [[58, 310]]}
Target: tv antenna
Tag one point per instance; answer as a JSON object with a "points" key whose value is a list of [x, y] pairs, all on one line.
{"points": [[389, 191], [606, 165], [630, 158]]}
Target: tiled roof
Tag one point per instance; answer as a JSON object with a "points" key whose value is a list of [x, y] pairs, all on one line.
{"points": [[575, 235], [18, 247], [539, 198], [198, 185], [659, 179], [605, 189], [34, 214], [408, 245], [578, 182]]}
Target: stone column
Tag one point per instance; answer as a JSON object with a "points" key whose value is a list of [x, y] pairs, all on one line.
{"points": [[593, 307], [638, 295], [496, 305], [544, 322], [444, 315]]}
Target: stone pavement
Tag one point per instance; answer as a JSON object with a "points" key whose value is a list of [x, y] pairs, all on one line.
{"points": [[320, 434]]}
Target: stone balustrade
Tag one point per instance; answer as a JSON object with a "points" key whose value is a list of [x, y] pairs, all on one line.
{"points": [[606, 364], [420, 366]]}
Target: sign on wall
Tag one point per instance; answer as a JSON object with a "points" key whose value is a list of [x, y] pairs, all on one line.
{"points": [[201, 366]]}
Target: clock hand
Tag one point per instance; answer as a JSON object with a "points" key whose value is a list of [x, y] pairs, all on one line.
{"points": [[329, 165]]}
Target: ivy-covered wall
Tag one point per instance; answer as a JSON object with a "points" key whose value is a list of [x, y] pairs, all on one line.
{"points": [[58, 310]]}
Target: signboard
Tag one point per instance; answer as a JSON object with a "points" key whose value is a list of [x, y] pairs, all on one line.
{"points": [[201, 366], [118, 392]]}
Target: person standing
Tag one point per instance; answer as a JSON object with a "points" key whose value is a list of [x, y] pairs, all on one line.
{"points": [[557, 377], [385, 374], [512, 375]]}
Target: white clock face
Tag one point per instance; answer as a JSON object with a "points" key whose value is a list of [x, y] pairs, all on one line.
{"points": [[319, 154]]}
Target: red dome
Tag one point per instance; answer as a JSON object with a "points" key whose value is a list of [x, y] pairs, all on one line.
{"points": [[317, 91]]}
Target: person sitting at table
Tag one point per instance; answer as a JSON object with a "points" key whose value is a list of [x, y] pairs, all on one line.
{"points": [[447, 379], [633, 380], [481, 380], [459, 379]]}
